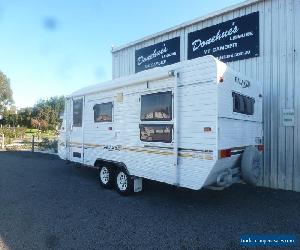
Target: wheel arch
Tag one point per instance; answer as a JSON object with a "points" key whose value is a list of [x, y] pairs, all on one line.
{"points": [[115, 164]]}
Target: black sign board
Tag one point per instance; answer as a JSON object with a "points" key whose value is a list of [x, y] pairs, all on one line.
{"points": [[232, 40], [158, 55]]}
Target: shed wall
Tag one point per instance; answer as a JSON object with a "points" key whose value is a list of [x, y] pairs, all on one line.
{"points": [[275, 68]]}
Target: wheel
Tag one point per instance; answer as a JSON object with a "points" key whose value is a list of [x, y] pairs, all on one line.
{"points": [[106, 176], [124, 183]]}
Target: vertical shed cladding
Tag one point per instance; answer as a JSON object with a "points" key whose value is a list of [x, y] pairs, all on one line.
{"points": [[275, 68]]}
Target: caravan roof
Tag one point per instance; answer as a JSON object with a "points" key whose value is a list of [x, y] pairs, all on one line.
{"points": [[144, 76]]}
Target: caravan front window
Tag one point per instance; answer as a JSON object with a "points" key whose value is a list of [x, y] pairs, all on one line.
{"points": [[156, 107], [77, 113], [243, 104]]}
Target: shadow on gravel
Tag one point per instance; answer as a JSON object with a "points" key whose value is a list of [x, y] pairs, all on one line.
{"points": [[48, 203], [28, 154]]}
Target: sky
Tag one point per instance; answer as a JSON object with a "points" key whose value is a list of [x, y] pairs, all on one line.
{"points": [[55, 47]]}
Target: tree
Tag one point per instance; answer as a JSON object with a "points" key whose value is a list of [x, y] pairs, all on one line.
{"points": [[9, 118], [5, 91], [45, 114], [40, 124], [24, 117], [49, 110]]}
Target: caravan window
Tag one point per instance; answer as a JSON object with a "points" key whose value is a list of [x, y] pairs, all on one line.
{"points": [[243, 104], [103, 112], [156, 133], [77, 113], [156, 107]]}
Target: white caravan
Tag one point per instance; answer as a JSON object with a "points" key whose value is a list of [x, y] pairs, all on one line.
{"points": [[193, 124]]}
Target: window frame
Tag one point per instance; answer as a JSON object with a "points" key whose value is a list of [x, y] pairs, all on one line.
{"points": [[112, 111], [157, 119], [245, 101]]}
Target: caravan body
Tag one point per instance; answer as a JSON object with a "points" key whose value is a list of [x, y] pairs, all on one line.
{"points": [[186, 124]]}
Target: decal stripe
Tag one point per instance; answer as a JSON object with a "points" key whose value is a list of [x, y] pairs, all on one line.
{"points": [[188, 153]]}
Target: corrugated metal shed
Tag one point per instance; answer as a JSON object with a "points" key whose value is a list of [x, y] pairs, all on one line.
{"points": [[276, 68]]}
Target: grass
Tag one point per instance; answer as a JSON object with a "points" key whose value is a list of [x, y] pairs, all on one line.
{"points": [[31, 130], [43, 134]]}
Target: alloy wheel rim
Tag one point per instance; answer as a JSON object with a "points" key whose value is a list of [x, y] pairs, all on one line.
{"points": [[104, 175], [122, 181]]}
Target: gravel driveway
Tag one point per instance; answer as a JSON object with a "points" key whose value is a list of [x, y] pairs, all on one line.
{"points": [[46, 203]]}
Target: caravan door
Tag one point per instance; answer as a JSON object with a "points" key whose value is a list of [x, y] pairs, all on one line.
{"points": [[76, 133]]}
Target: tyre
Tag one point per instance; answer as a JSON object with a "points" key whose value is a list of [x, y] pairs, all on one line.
{"points": [[124, 183], [251, 165], [106, 176]]}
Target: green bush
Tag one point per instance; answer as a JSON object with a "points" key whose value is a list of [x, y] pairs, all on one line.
{"points": [[47, 144], [12, 133]]}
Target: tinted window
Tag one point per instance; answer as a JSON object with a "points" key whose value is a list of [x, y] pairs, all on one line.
{"points": [[156, 107], [156, 133], [77, 113], [103, 112], [243, 104]]}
